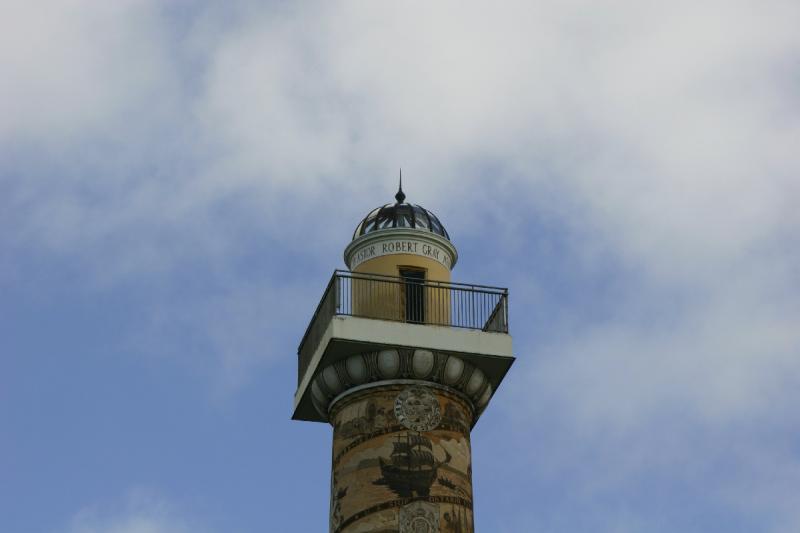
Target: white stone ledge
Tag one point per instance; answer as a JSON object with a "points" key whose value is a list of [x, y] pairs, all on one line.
{"points": [[347, 331], [440, 338]]}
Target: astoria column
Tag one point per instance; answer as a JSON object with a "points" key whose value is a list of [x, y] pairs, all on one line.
{"points": [[402, 362]]}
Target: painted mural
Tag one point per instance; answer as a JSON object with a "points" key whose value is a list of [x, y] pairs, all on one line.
{"points": [[401, 462]]}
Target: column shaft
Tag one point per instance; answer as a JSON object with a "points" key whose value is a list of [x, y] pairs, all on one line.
{"points": [[401, 461]]}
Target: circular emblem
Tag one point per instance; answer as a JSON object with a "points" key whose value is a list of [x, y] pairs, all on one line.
{"points": [[416, 408], [419, 517], [420, 524]]}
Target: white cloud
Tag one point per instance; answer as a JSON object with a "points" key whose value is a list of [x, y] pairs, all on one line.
{"points": [[650, 117], [70, 67], [143, 512]]}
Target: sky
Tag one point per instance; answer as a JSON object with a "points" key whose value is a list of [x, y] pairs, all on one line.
{"points": [[179, 179]]}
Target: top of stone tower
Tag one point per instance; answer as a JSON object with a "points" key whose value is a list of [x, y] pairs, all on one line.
{"points": [[400, 215]]}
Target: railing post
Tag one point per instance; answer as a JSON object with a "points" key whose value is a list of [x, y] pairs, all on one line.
{"points": [[505, 311], [336, 288]]}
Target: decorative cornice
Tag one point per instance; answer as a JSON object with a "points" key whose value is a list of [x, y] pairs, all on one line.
{"points": [[359, 371]]}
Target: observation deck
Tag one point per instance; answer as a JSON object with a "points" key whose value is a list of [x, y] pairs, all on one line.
{"points": [[361, 312]]}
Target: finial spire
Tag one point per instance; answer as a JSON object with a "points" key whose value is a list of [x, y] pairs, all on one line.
{"points": [[400, 196]]}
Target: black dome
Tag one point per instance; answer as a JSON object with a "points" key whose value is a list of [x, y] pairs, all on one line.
{"points": [[400, 215]]}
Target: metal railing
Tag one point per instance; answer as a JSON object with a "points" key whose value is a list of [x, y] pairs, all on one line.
{"points": [[409, 300]]}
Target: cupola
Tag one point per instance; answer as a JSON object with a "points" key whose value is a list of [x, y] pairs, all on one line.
{"points": [[399, 236]]}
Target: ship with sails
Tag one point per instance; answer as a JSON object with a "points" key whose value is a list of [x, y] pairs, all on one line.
{"points": [[411, 468]]}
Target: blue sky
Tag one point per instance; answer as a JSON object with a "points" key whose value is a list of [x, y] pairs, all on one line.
{"points": [[179, 179]]}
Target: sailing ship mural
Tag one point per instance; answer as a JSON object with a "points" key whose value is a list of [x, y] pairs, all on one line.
{"points": [[412, 468], [401, 461]]}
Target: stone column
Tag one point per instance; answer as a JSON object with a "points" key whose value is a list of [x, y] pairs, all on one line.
{"points": [[401, 460], [401, 419]]}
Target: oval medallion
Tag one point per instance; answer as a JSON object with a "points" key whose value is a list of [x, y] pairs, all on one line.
{"points": [[417, 409], [419, 517]]}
